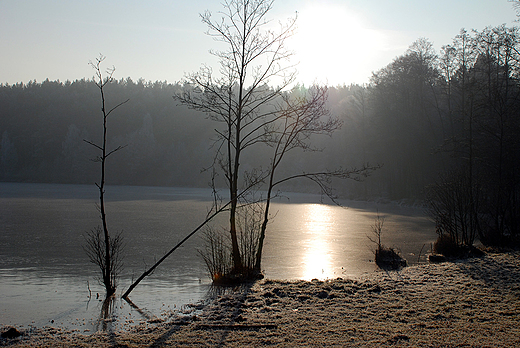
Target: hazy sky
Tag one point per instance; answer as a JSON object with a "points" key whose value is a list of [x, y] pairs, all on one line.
{"points": [[338, 41]]}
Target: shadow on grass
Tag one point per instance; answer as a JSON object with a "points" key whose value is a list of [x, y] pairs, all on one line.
{"points": [[223, 313], [501, 271]]}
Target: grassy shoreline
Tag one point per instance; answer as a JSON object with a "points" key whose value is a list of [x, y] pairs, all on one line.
{"points": [[470, 303]]}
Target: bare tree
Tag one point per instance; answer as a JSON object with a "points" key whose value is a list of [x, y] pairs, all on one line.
{"points": [[241, 98], [102, 249], [453, 205], [254, 114], [385, 257], [377, 231]]}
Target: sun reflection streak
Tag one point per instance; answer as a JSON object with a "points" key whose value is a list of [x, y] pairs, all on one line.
{"points": [[318, 219]]}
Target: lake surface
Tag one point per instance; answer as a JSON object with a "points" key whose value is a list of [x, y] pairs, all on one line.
{"points": [[46, 278]]}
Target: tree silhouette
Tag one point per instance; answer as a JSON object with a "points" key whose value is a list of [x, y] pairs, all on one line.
{"points": [[102, 249], [241, 98]]}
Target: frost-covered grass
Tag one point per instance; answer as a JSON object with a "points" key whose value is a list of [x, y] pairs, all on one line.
{"points": [[471, 303]]}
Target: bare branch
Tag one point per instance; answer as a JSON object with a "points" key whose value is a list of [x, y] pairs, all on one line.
{"points": [[91, 143], [114, 150], [115, 107]]}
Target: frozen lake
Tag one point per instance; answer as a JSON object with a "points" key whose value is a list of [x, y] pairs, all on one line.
{"points": [[46, 278]]}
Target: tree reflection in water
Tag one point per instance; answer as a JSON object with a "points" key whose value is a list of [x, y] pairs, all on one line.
{"points": [[106, 317]]}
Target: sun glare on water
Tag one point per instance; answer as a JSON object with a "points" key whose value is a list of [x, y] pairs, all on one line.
{"points": [[319, 219], [333, 46]]}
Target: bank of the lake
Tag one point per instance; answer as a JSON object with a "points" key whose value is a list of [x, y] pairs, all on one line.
{"points": [[470, 303]]}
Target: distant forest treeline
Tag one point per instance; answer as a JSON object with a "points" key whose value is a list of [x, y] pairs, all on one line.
{"points": [[424, 114]]}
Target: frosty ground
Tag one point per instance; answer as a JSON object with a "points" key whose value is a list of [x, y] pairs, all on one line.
{"points": [[471, 303]]}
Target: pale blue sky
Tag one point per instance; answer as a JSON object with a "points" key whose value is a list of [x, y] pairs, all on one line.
{"points": [[338, 41]]}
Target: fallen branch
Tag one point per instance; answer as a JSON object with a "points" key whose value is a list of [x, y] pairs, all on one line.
{"points": [[150, 317], [151, 269]]}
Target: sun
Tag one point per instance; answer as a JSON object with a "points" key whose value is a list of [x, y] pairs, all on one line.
{"points": [[334, 46]]}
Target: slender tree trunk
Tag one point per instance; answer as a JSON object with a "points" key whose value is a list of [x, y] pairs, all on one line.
{"points": [[107, 276], [258, 261], [237, 259], [103, 250], [234, 165]]}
